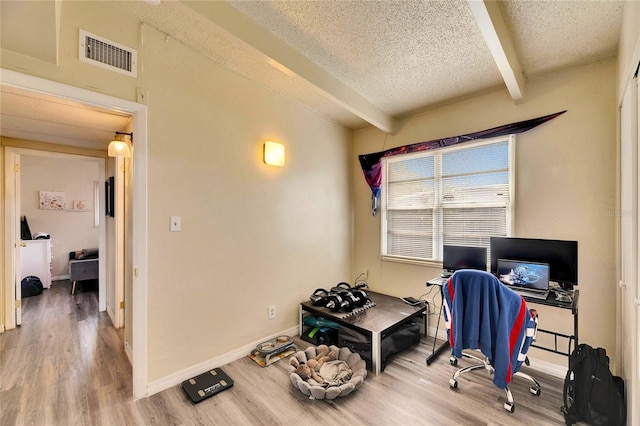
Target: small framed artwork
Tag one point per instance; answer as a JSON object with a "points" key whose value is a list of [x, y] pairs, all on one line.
{"points": [[79, 205], [51, 200]]}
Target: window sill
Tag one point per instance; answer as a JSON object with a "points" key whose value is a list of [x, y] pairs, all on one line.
{"points": [[410, 261]]}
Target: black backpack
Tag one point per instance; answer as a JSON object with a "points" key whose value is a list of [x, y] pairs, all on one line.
{"points": [[31, 286], [591, 393]]}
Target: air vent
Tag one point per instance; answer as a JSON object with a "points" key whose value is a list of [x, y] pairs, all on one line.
{"points": [[107, 54]]}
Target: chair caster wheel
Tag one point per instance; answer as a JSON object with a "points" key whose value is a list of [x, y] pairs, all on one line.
{"points": [[453, 384], [535, 390], [453, 361], [509, 407]]}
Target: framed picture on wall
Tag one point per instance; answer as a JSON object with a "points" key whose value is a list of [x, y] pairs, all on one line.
{"points": [[110, 195], [51, 200]]}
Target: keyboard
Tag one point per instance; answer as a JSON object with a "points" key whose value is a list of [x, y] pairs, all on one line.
{"points": [[538, 295], [437, 281]]}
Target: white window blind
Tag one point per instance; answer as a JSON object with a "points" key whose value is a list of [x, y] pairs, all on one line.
{"points": [[451, 196]]}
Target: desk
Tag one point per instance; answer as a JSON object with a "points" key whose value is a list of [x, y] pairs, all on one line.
{"points": [[388, 313], [435, 352], [551, 301], [573, 306]]}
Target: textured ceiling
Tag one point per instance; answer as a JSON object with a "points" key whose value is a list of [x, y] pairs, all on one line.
{"points": [[399, 55], [356, 63], [551, 35]]}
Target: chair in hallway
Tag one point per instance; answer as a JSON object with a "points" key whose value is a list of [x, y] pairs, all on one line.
{"points": [[83, 265]]}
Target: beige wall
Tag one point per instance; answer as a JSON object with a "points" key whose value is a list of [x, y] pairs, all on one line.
{"points": [[70, 230], [565, 187], [252, 235]]}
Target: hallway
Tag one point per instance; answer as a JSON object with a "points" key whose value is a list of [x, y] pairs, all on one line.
{"points": [[65, 364]]}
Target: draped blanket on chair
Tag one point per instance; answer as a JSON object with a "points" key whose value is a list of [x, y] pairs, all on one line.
{"points": [[481, 313], [372, 165]]}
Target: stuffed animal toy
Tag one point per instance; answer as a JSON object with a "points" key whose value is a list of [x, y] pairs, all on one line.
{"points": [[310, 369], [304, 371], [320, 359]]}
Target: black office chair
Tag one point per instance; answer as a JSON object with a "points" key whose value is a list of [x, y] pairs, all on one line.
{"points": [[481, 313]]}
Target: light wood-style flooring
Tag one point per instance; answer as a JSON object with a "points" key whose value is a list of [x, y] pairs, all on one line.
{"points": [[66, 366]]}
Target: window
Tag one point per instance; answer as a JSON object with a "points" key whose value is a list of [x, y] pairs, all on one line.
{"points": [[460, 195]]}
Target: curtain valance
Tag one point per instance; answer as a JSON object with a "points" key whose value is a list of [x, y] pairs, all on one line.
{"points": [[372, 166]]}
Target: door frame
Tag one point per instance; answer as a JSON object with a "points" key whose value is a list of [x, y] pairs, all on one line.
{"points": [[12, 202], [138, 257], [13, 232]]}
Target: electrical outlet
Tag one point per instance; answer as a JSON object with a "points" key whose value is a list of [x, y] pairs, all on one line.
{"points": [[272, 312]]}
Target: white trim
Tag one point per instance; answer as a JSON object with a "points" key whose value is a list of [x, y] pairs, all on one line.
{"points": [[1, 328], [129, 352], [549, 368], [11, 236], [440, 206], [187, 373], [139, 255], [60, 277]]}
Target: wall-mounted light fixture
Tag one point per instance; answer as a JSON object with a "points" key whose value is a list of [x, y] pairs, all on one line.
{"points": [[118, 147], [274, 153]]}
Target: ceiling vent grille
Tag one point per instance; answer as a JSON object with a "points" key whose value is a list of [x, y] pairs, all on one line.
{"points": [[107, 54]]}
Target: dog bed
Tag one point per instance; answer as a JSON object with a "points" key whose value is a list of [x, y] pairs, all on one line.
{"points": [[345, 358]]}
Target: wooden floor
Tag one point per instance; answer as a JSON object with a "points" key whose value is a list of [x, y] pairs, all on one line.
{"points": [[65, 366]]}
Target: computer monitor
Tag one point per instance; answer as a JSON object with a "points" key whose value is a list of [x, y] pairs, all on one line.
{"points": [[562, 256], [461, 257]]}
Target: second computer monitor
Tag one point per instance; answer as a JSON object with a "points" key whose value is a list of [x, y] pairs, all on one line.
{"points": [[461, 257]]}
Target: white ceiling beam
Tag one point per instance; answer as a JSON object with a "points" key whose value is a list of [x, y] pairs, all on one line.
{"points": [[240, 26], [494, 30]]}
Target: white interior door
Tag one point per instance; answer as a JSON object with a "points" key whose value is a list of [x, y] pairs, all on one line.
{"points": [[634, 331], [18, 237], [629, 351], [120, 239], [13, 243]]}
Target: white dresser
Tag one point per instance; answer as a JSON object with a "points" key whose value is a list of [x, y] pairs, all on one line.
{"points": [[35, 259]]}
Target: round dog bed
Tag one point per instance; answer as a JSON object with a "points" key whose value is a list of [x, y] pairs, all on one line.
{"points": [[317, 390]]}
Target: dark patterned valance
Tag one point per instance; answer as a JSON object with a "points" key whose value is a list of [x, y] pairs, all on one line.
{"points": [[372, 167]]}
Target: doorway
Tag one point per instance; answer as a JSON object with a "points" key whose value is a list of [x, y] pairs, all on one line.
{"points": [[137, 234], [69, 227]]}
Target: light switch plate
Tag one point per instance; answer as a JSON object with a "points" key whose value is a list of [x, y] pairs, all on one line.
{"points": [[175, 223]]}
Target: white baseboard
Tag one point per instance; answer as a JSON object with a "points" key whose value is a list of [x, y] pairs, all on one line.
{"points": [[59, 277], [129, 352], [549, 368], [182, 375], [112, 316], [1, 328]]}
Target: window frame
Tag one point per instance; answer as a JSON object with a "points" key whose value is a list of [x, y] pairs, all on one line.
{"points": [[438, 209]]}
